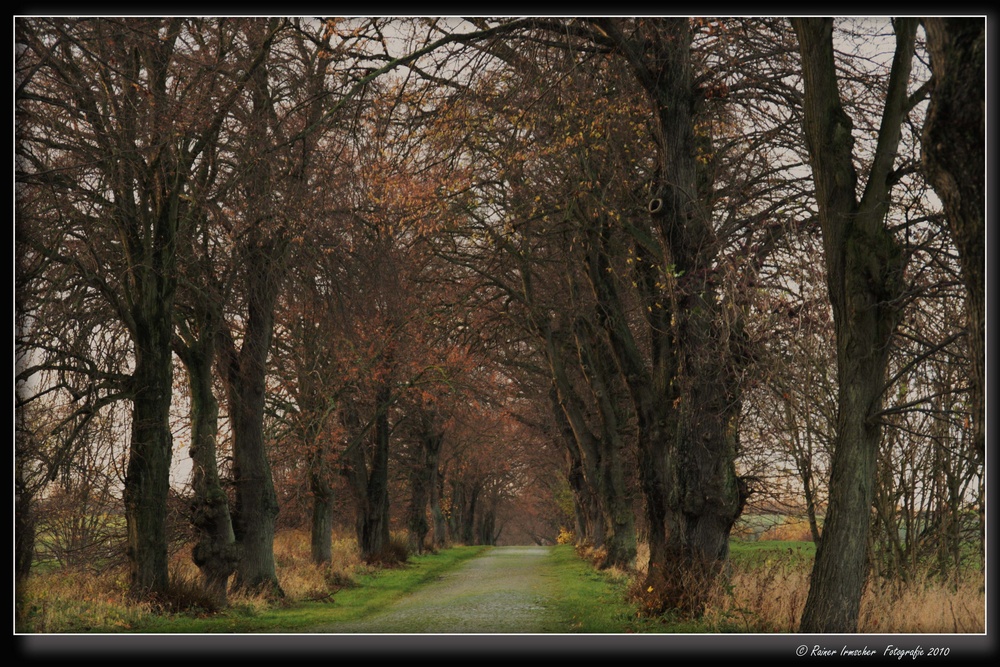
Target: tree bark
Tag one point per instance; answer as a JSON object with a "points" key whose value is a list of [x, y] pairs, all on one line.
{"points": [[954, 142], [367, 473], [597, 364], [584, 449], [423, 474], [321, 525], [262, 252], [864, 278], [684, 395], [215, 552], [147, 479], [437, 512], [585, 512], [256, 506]]}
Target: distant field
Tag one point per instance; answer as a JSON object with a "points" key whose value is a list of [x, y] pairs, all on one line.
{"points": [[753, 527], [763, 552]]}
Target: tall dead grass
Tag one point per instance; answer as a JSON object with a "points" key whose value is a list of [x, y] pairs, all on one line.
{"points": [[924, 605], [68, 601], [72, 600], [770, 597]]}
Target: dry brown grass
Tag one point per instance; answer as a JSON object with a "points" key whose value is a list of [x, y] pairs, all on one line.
{"points": [[924, 605], [766, 597], [302, 579], [770, 598], [70, 600], [66, 600]]}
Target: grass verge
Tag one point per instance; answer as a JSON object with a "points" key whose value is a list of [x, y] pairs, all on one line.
{"points": [[372, 592], [595, 601]]}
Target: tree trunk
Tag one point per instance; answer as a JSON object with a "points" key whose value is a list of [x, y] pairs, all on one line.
{"points": [[256, 502], [367, 473], [486, 527], [619, 521], [712, 495], [456, 504], [437, 513], [423, 474], [586, 515], [416, 512], [147, 479], [683, 395], [256, 507], [864, 279], [321, 526], [262, 251], [954, 143], [216, 552], [469, 516], [24, 536]]}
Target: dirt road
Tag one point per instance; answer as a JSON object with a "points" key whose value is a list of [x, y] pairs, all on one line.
{"points": [[505, 590]]}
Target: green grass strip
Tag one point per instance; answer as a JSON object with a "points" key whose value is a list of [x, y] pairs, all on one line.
{"points": [[592, 601], [372, 593]]}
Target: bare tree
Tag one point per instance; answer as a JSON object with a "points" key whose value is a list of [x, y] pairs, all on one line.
{"points": [[864, 265], [107, 130]]}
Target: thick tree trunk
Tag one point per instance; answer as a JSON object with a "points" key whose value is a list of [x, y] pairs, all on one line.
{"points": [[315, 407], [416, 521], [416, 513], [954, 154], [262, 251], [469, 516], [609, 467], [586, 515], [256, 507], [864, 279], [486, 526], [685, 407], [583, 449], [713, 498], [585, 511], [24, 535], [216, 552], [25, 504], [683, 393], [256, 502], [24, 540], [147, 479], [620, 542], [456, 503]]}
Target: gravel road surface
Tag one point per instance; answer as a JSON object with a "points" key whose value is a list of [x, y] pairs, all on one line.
{"points": [[505, 590]]}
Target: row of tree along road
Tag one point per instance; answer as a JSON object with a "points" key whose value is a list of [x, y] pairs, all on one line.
{"points": [[458, 270]]}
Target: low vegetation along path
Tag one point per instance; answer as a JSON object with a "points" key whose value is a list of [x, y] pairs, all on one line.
{"points": [[506, 589]]}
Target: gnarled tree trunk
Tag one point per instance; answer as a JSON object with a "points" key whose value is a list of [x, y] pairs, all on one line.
{"points": [[216, 552]]}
